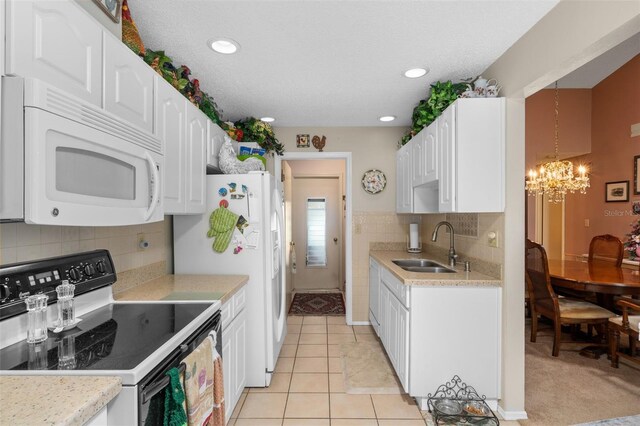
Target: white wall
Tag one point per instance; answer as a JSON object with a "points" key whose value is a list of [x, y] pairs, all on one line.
{"points": [[571, 34]]}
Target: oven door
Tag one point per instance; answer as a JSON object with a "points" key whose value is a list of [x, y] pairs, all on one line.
{"points": [[78, 175], [151, 390]]}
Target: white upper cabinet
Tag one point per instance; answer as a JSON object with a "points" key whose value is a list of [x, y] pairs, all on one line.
{"points": [[196, 160], [473, 156], [429, 152], [128, 84], [56, 42], [457, 161], [215, 139], [446, 164], [183, 130], [404, 193], [170, 128]]}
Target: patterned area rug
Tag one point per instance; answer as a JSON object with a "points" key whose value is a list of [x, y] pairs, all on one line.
{"points": [[317, 304]]}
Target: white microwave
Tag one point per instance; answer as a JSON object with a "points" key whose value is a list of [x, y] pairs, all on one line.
{"points": [[64, 161]]}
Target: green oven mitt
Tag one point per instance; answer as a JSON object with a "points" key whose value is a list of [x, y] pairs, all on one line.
{"points": [[222, 222]]}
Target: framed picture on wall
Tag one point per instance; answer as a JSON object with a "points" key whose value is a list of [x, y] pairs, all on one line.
{"points": [[302, 141], [616, 191], [636, 176], [111, 8]]}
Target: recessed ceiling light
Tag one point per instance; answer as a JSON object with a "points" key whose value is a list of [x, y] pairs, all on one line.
{"points": [[268, 119], [387, 118], [416, 72], [226, 46]]}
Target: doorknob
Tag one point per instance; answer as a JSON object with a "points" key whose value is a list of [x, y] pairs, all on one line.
{"points": [[335, 240]]}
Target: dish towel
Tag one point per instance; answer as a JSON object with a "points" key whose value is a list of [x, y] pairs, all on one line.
{"points": [[198, 383], [294, 264], [217, 419], [222, 222], [174, 414]]}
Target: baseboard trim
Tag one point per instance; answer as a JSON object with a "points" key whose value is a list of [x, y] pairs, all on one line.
{"points": [[360, 323], [512, 415]]}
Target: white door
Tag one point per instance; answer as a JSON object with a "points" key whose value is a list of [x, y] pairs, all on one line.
{"points": [[417, 159], [128, 83], [317, 231], [56, 42], [170, 128]]}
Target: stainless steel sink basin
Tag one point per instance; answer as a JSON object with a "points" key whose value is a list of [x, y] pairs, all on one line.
{"points": [[423, 265]]}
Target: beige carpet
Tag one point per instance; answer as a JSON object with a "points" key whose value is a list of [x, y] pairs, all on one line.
{"points": [[366, 369], [573, 389]]}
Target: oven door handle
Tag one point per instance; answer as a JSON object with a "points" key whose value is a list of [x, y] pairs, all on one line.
{"points": [[154, 388]]}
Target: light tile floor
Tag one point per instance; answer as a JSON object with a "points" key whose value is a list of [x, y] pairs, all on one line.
{"points": [[307, 388]]}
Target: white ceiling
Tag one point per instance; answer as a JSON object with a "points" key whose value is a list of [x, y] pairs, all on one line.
{"points": [[332, 63]]}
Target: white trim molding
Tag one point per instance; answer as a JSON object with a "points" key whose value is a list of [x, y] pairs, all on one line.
{"points": [[348, 266], [512, 415]]}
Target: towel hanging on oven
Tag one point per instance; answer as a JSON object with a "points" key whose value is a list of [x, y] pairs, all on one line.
{"points": [[198, 383]]}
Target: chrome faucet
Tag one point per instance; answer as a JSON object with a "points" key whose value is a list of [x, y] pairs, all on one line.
{"points": [[452, 249]]}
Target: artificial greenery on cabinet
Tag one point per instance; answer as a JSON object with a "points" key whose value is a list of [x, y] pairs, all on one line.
{"points": [[442, 95]]}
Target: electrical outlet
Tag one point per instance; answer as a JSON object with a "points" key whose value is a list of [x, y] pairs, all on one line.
{"points": [[358, 228], [586, 223], [492, 238]]}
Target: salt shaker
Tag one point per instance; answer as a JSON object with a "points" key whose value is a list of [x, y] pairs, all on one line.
{"points": [[36, 318], [66, 309]]}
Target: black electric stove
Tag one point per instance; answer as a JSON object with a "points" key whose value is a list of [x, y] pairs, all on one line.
{"points": [[118, 336]]}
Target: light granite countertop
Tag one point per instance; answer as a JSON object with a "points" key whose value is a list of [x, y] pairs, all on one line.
{"points": [[185, 287], [54, 400], [457, 279]]}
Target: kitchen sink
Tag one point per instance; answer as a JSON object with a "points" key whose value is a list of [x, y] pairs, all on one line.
{"points": [[423, 265]]}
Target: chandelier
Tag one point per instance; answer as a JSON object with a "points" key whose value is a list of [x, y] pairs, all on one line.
{"points": [[555, 178]]}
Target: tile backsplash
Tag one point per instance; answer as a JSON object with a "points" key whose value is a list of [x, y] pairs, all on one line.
{"points": [[22, 242]]}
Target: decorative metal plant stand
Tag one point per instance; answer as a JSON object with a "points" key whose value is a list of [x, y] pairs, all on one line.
{"points": [[456, 403]]}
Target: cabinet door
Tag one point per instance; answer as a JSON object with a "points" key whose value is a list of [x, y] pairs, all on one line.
{"points": [[430, 153], [393, 339], [239, 354], [170, 128], [402, 342], [128, 84], [446, 163], [417, 159], [227, 371], [196, 167], [57, 42], [374, 292], [384, 308], [215, 139], [404, 194]]}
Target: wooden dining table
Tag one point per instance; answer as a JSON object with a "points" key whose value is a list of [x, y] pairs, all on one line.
{"points": [[603, 279]]}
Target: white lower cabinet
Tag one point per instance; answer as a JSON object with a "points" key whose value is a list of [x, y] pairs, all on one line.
{"points": [[374, 295], [234, 347], [432, 333]]}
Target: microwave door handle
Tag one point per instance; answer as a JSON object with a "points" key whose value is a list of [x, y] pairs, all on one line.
{"points": [[156, 187]]}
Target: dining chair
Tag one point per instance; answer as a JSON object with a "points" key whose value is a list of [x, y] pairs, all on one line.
{"points": [[625, 324], [606, 249], [545, 302]]}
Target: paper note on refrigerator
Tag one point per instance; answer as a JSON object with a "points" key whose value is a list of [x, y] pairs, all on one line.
{"points": [[253, 238]]}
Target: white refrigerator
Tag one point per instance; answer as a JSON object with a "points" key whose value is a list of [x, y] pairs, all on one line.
{"points": [[255, 248]]}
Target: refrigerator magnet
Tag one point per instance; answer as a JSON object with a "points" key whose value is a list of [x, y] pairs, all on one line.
{"points": [[223, 204], [222, 192], [232, 185]]}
